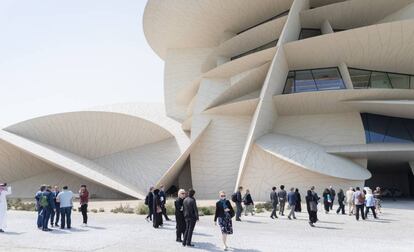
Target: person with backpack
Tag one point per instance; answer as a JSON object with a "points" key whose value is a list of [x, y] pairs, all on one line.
{"points": [[179, 215], [4, 191], [248, 203], [326, 195], [48, 205], [39, 208], [223, 215], [149, 199], [359, 199], [274, 200], [83, 200], [282, 195], [237, 198], [65, 203]]}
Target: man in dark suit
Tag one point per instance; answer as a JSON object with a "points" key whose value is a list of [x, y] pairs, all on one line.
{"points": [[190, 216], [179, 214], [275, 201], [282, 194], [149, 199], [48, 205], [163, 202], [238, 202], [55, 193]]}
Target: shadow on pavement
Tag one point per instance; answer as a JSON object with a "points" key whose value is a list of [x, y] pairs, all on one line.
{"points": [[211, 247]]}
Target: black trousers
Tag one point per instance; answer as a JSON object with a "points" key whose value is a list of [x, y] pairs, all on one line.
{"points": [[164, 212], [150, 213], [84, 210], [181, 225], [332, 202], [341, 208], [373, 211], [57, 213], [358, 209], [189, 228], [274, 207], [281, 207], [326, 205], [239, 210]]}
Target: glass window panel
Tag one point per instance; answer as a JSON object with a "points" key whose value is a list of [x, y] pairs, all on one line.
{"points": [[412, 82], [364, 117], [409, 125], [304, 82], [379, 80], [309, 33], [360, 78], [328, 79], [289, 86], [377, 127], [397, 132], [400, 81]]}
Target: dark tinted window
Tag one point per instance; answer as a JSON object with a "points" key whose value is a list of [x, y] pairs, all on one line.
{"points": [[309, 33]]}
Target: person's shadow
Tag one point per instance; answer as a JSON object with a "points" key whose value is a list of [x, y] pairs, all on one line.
{"points": [[211, 247], [12, 233]]}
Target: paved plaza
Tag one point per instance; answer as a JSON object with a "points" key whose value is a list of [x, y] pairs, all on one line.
{"points": [[122, 232]]}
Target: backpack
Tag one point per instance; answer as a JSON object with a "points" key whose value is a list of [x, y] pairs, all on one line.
{"points": [[234, 197], [146, 200], [43, 202]]}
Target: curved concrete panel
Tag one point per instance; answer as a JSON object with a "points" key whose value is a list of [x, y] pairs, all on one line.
{"points": [[311, 156]]}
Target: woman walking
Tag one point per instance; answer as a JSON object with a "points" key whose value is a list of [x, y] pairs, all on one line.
{"points": [[223, 215], [248, 203], [312, 207], [4, 191], [157, 208], [326, 200], [298, 206]]}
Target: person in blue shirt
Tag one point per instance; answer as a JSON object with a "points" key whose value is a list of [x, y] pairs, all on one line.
{"points": [[48, 205], [291, 197], [39, 208], [65, 199]]}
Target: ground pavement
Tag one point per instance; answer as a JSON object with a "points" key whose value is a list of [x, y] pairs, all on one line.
{"points": [[394, 231]]}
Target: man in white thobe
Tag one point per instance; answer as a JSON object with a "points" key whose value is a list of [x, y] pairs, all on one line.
{"points": [[4, 190]]}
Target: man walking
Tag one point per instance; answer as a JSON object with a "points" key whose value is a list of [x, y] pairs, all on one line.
{"points": [[179, 215], [359, 200], [333, 194], [282, 200], [149, 201], [291, 197], [65, 200], [84, 200], [55, 193], [349, 200], [163, 203], [238, 202], [274, 200], [190, 216]]}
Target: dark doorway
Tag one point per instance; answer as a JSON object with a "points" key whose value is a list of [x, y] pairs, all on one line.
{"points": [[393, 177]]}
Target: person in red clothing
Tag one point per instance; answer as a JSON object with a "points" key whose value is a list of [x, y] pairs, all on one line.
{"points": [[84, 198]]}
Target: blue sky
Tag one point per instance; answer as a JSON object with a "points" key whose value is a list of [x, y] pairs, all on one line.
{"points": [[58, 56]]}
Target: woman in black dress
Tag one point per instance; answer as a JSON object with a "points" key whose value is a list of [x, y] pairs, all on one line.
{"points": [[312, 207], [157, 218], [298, 206], [223, 215]]}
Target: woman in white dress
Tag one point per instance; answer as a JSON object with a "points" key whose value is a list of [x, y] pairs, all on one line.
{"points": [[4, 190]]}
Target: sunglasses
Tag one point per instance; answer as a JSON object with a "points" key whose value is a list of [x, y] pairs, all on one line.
{"points": [[222, 196]]}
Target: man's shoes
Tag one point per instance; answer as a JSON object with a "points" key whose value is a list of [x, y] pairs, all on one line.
{"points": [[272, 217], [184, 245], [69, 227], [289, 218], [238, 219], [168, 219], [294, 218], [56, 225], [311, 224], [46, 229], [179, 240], [190, 245], [62, 227], [1, 231], [51, 225]]}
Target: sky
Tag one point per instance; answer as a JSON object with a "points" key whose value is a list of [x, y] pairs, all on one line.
{"points": [[59, 56]]}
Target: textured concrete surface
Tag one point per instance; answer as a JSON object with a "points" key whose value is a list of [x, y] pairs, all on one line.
{"points": [[110, 232]]}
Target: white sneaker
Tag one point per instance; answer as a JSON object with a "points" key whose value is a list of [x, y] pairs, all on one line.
{"points": [[225, 248]]}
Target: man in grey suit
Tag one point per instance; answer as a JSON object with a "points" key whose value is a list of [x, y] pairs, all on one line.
{"points": [[292, 202], [282, 200], [275, 201], [191, 217]]}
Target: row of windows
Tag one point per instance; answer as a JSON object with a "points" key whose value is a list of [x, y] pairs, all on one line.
{"points": [[313, 80], [373, 79], [311, 32], [260, 48], [285, 13], [385, 129]]}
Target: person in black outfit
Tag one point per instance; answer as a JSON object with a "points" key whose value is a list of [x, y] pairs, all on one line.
{"points": [[248, 203], [55, 193], [190, 216], [274, 200], [179, 215], [312, 207], [298, 206], [333, 194], [163, 203], [326, 200], [157, 210], [341, 199], [224, 213], [149, 201], [238, 202]]}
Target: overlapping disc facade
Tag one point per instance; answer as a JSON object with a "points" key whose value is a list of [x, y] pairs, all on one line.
{"points": [[257, 93]]}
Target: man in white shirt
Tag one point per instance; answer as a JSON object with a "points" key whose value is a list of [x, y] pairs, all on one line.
{"points": [[65, 199]]}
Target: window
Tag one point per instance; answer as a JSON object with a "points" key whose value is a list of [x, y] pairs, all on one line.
{"points": [[285, 13], [313, 80], [373, 79], [309, 33], [386, 129], [257, 49]]}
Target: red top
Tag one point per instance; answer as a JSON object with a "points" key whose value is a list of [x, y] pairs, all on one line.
{"points": [[84, 197]]}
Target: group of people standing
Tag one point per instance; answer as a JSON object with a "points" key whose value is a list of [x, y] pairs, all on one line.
{"points": [[54, 205]]}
